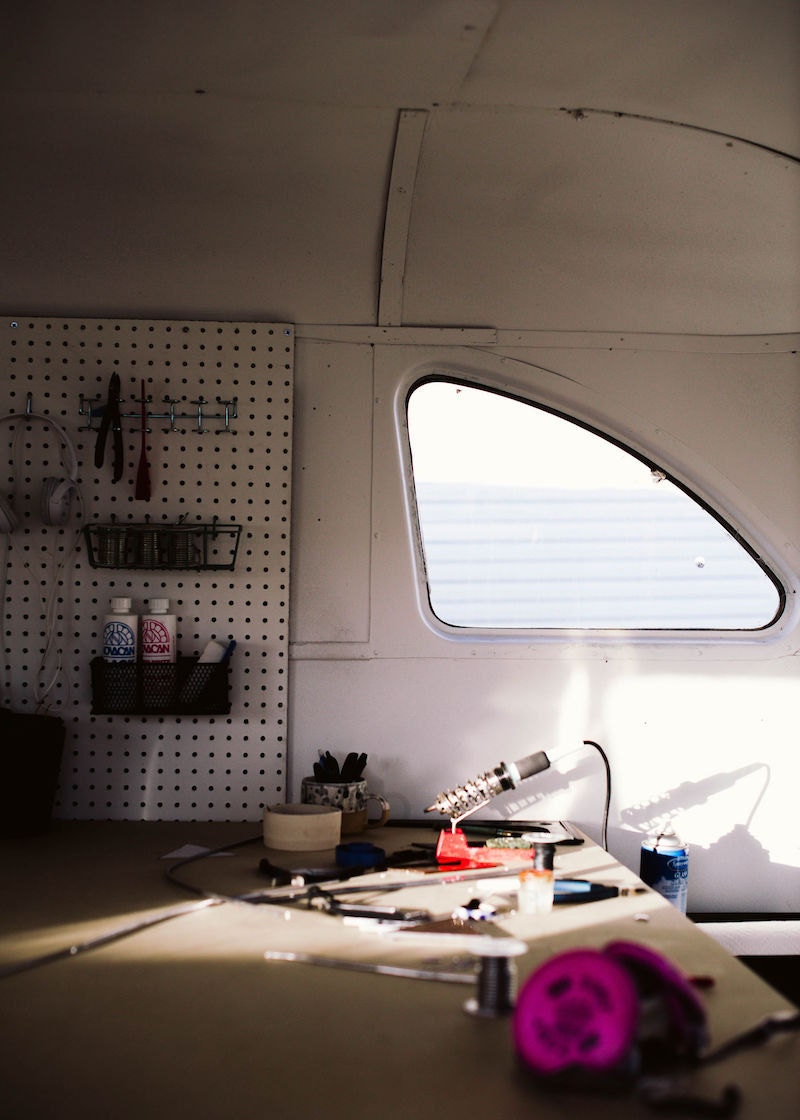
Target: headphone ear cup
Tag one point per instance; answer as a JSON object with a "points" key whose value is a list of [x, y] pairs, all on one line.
{"points": [[576, 1019], [8, 519], [656, 977], [56, 500]]}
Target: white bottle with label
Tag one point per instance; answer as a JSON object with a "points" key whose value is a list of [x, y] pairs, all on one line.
{"points": [[120, 633], [159, 632]]}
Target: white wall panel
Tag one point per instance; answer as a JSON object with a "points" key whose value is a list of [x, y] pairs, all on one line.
{"points": [[333, 493], [698, 728], [155, 766]]}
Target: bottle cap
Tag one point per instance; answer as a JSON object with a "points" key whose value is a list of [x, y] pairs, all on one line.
{"points": [[120, 604], [543, 856], [159, 606]]}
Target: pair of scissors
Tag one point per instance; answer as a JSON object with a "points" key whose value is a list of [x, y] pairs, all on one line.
{"points": [[111, 421]]}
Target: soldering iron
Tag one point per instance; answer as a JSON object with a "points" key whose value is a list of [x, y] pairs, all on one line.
{"points": [[466, 799]]}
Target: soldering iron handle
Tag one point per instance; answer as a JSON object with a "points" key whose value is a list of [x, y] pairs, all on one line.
{"points": [[526, 767]]}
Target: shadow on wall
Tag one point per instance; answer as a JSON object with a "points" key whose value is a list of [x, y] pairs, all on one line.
{"points": [[654, 813], [722, 858], [711, 865], [740, 846]]}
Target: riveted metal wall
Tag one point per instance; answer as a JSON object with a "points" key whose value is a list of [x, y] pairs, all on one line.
{"points": [[238, 470]]}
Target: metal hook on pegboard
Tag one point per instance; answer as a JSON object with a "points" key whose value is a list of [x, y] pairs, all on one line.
{"points": [[91, 408]]}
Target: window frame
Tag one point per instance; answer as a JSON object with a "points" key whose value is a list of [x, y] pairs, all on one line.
{"points": [[693, 491]]}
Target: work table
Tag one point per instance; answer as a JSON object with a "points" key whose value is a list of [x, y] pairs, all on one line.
{"points": [[187, 1015]]}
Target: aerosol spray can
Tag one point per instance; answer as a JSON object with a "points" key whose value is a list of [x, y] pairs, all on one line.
{"points": [[664, 866]]}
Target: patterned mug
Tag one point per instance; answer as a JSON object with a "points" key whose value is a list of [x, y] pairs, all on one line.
{"points": [[352, 798]]}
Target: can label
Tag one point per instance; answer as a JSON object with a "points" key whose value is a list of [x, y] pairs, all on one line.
{"points": [[666, 870]]}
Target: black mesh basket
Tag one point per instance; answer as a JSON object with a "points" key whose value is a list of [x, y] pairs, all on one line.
{"points": [[185, 687]]}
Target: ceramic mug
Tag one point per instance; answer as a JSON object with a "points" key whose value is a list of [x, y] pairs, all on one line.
{"points": [[352, 798]]}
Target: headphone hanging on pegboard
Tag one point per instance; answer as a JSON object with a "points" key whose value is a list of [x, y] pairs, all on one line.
{"points": [[57, 493]]}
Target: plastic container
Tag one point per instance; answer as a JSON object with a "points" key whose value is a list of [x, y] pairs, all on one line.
{"points": [[536, 884], [159, 633], [120, 633]]}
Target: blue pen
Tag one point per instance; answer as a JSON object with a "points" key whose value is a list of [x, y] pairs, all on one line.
{"points": [[581, 890]]}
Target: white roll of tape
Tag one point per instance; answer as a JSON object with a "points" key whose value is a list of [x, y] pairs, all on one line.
{"points": [[302, 828]]}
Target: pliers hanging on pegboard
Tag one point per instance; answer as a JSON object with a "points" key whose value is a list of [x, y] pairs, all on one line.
{"points": [[110, 421]]}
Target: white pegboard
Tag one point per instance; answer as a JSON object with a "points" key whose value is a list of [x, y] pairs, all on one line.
{"points": [[159, 767]]}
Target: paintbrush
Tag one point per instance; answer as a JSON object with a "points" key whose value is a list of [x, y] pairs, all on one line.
{"points": [[142, 489]]}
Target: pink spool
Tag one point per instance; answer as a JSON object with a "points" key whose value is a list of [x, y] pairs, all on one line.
{"points": [[578, 1010]]}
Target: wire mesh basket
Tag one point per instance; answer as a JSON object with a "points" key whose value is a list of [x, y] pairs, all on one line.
{"points": [[201, 547], [184, 687]]}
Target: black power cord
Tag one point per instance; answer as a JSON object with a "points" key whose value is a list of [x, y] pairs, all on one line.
{"points": [[171, 871], [607, 805]]}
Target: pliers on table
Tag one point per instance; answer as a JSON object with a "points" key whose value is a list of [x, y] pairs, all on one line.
{"points": [[110, 421]]}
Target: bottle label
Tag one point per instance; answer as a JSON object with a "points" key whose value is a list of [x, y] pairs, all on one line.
{"points": [[157, 642], [119, 641]]}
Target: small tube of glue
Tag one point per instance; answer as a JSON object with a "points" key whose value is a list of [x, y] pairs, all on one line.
{"points": [[537, 884]]}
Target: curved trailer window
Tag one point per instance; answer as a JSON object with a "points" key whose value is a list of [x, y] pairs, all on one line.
{"points": [[529, 519]]}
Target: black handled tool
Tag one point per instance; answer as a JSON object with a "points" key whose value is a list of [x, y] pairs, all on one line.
{"points": [[328, 770], [353, 767], [142, 489], [112, 422]]}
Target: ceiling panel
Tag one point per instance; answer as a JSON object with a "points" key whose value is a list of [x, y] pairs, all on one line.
{"points": [[728, 65], [341, 52], [534, 217], [191, 157], [190, 207]]}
